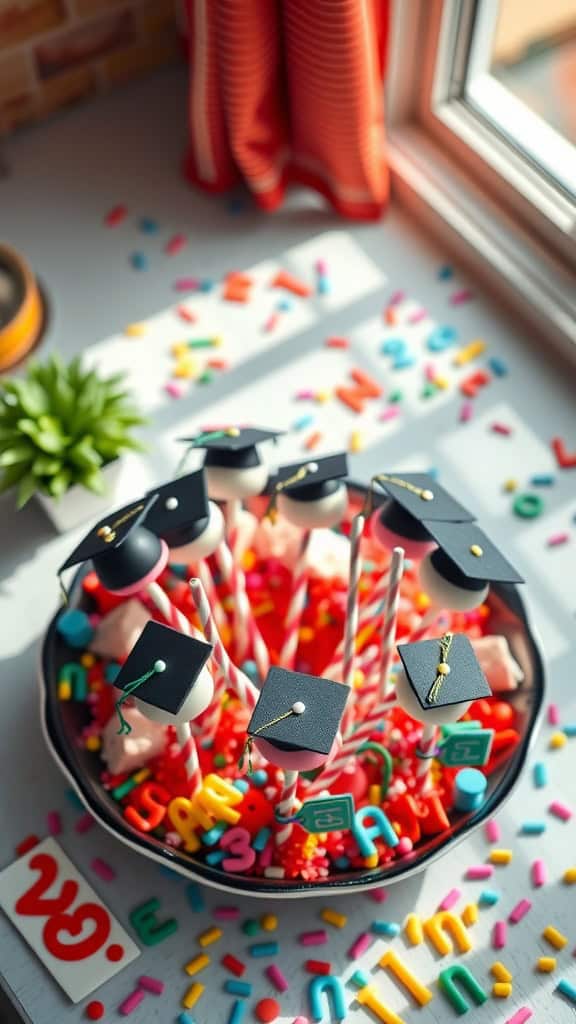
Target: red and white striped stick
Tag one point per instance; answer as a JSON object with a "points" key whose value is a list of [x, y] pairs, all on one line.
{"points": [[349, 747], [426, 747], [351, 623], [233, 512], [245, 627], [174, 617], [190, 756], [203, 573], [368, 619], [285, 806], [425, 625], [390, 616], [296, 606], [237, 680]]}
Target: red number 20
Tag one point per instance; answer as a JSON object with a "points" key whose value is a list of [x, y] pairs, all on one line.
{"points": [[31, 903]]}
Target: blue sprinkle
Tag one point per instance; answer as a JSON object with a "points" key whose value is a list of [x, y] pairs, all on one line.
{"points": [[323, 286], [403, 362], [241, 785], [387, 928], [441, 339], [543, 480], [206, 285], [567, 989], [532, 828], [139, 261], [259, 778], [180, 570], [342, 863], [250, 669], [488, 897], [215, 857], [195, 897], [237, 1012], [237, 988], [260, 840], [112, 671], [540, 774], [360, 978], [303, 422], [498, 366], [393, 347], [260, 949], [284, 305], [185, 1018], [213, 835], [73, 798], [445, 273], [569, 730], [148, 225]]}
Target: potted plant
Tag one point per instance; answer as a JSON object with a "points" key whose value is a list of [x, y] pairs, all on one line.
{"points": [[62, 432]]}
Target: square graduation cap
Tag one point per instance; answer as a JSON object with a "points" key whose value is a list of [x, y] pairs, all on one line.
{"points": [[468, 558], [181, 512], [110, 533], [315, 728], [423, 498], [465, 681], [322, 477], [232, 447], [184, 657]]}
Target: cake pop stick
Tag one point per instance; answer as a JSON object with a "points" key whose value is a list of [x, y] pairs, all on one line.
{"points": [[426, 748], [351, 623], [235, 678], [426, 625], [390, 617], [245, 627], [286, 806], [296, 605], [368, 624]]}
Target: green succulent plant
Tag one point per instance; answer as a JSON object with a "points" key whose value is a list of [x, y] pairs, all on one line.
{"points": [[60, 425]]}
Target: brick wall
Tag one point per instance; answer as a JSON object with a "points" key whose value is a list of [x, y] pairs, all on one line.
{"points": [[54, 53]]}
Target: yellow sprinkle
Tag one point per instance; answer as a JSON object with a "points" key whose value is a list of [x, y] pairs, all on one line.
{"points": [[546, 964], [510, 486], [569, 876], [442, 383], [500, 972], [365, 635], [469, 352], [322, 396], [193, 995], [269, 922], [470, 914], [413, 929], [557, 740], [358, 678], [502, 989], [333, 917], [135, 330], [185, 368], [87, 659], [356, 443], [554, 937], [197, 964], [180, 350], [374, 795], [210, 936], [500, 856], [422, 602], [142, 775], [64, 690], [248, 560], [93, 743]]}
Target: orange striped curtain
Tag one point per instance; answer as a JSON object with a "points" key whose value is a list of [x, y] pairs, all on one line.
{"points": [[289, 91]]}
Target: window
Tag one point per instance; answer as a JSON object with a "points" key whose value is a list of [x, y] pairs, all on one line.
{"points": [[482, 114]]}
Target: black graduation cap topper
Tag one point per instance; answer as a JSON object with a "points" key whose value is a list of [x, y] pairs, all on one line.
{"points": [[312, 479], [122, 550], [232, 447], [443, 671], [162, 668], [467, 558], [298, 712], [418, 497], [181, 512]]}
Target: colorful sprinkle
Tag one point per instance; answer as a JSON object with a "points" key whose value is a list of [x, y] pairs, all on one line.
{"points": [[557, 539], [334, 918], [277, 978], [362, 943], [546, 964], [532, 828], [238, 988], [567, 989], [499, 935], [103, 869], [560, 810], [199, 963], [492, 830], [478, 872], [450, 899], [539, 873], [132, 1002], [540, 774], [260, 949], [149, 984], [317, 938], [554, 937], [519, 911]]}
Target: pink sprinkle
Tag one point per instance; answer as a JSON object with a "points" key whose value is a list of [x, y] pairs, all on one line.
{"points": [[301, 1020], [277, 978], [396, 298], [390, 413], [519, 911], [186, 314], [186, 284], [321, 267], [553, 714], [318, 938], [430, 372], [378, 895], [466, 411], [103, 869], [404, 846], [520, 1017], [227, 913], [417, 317], [492, 830], [499, 935], [132, 1002], [363, 942], [84, 824], [305, 394], [54, 823], [557, 539], [479, 872], [464, 295], [153, 985], [175, 244], [450, 899], [560, 810], [501, 428], [271, 322], [265, 858], [539, 873], [174, 389]]}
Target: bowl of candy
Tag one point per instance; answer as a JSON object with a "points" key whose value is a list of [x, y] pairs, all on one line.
{"points": [[296, 685]]}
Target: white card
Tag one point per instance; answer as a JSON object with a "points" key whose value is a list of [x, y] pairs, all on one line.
{"points": [[69, 928]]}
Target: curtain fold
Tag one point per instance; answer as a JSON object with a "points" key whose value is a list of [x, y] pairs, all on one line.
{"points": [[289, 91]]}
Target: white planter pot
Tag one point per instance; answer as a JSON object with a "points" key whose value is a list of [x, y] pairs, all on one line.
{"points": [[79, 504]]}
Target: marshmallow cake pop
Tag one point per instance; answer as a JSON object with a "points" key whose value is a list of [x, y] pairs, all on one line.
{"points": [[233, 466], [192, 526], [457, 574], [312, 494], [125, 554], [413, 499], [439, 679]]}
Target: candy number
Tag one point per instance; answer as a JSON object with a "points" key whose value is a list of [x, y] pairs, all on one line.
{"points": [[73, 924], [237, 842], [31, 902]]}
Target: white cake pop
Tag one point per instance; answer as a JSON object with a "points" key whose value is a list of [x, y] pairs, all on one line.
{"points": [[439, 679], [205, 543], [412, 500], [233, 465], [312, 494]]}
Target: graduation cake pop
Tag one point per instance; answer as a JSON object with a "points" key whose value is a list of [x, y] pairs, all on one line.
{"points": [[191, 525], [413, 500], [312, 494], [439, 679], [233, 465]]}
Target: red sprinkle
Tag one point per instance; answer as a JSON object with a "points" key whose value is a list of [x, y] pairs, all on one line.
{"points": [[54, 823], [115, 216], [103, 869], [233, 965], [318, 967], [94, 1010], [175, 244], [337, 343], [501, 428], [186, 314], [84, 824], [27, 844]]}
